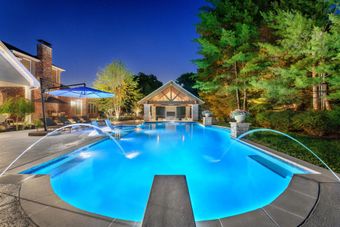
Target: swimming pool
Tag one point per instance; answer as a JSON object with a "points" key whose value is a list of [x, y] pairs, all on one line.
{"points": [[224, 177]]}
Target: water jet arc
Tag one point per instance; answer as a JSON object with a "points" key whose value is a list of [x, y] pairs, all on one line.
{"points": [[59, 129], [292, 138]]}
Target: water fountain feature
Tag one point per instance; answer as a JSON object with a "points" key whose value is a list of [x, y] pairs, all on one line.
{"points": [[292, 138], [98, 129], [276, 132]]}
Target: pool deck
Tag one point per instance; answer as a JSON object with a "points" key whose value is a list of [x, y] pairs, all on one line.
{"points": [[28, 200]]}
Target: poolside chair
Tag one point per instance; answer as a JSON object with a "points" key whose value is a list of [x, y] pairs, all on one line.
{"points": [[4, 124], [76, 119], [85, 119], [64, 120], [105, 128], [72, 121], [109, 124], [50, 123]]}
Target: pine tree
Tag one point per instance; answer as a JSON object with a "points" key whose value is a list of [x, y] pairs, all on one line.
{"points": [[228, 33], [303, 57]]}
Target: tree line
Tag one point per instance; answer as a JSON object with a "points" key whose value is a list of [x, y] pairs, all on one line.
{"points": [[269, 55]]}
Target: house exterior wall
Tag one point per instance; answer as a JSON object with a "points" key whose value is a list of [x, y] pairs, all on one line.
{"points": [[41, 67]]}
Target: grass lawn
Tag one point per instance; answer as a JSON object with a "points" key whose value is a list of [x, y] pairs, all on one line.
{"points": [[327, 149]]}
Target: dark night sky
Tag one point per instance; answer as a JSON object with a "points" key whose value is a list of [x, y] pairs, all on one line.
{"points": [[148, 36]]}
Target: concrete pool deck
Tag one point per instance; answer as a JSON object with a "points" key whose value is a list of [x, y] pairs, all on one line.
{"points": [[28, 200]]}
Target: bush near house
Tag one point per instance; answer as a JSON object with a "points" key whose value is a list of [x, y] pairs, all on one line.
{"points": [[18, 107]]}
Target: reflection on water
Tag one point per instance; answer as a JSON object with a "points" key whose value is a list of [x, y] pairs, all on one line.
{"points": [[119, 186]]}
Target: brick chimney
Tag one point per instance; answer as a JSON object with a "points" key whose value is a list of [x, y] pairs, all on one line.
{"points": [[44, 53]]}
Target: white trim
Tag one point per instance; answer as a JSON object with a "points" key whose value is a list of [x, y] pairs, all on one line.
{"points": [[58, 68], [13, 60], [35, 59], [171, 82], [25, 55]]}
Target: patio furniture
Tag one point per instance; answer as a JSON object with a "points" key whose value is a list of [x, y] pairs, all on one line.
{"points": [[3, 122], [109, 124], [85, 119], [72, 121], [76, 119], [64, 120], [105, 128], [50, 123]]}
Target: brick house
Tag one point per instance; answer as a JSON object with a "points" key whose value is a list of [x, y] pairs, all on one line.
{"points": [[34, 67]]}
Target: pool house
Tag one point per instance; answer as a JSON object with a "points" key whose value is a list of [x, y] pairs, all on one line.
{"points": [[171, 102]]}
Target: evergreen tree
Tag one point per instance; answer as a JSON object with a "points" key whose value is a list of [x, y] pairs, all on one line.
{"points": [[301, 61], [147, 83], [187, 81], [228, 36]]}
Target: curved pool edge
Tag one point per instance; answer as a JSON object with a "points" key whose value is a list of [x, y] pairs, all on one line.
{"points": [[295, 205], [285, 205], [45, 208]]}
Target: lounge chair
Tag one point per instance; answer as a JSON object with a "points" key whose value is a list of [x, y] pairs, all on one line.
{"points": [[4, 122], [85, 119], [50, 123], [64, 120], [72, 121], [105, 128], [119, 130], [109, 124], [76, 119]]}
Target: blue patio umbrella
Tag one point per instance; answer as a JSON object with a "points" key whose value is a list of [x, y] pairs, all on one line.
{"points": [[81, 92]]}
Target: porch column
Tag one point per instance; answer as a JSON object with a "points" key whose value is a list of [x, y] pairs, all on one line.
{"points": [[28, 95], [146, 112], [153, 112], [194, 112], [187, 112]]}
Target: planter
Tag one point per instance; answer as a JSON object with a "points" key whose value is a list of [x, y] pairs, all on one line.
{"points": [[207, 120], [240, 118]]}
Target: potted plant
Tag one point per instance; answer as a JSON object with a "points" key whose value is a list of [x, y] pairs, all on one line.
{"points": [[206, 113], [239, 115]]}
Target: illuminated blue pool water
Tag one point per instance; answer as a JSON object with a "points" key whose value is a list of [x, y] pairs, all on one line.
{"points": [[99, 179]]}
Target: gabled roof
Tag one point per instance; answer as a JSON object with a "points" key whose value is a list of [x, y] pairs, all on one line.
{"points": [[17, 50], [13, 72], [166, 86], [13, 48]]}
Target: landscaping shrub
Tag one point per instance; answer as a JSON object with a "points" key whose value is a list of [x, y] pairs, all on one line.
{"points": [[334, 121], [313, 123], [310, 122], [263, 120], [281, 121]]}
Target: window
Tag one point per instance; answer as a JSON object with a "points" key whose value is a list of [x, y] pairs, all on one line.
{"points": [[91, 108], [26, 63], [76, 106]]}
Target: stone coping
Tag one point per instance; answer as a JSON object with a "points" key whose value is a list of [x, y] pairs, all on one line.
{"points": [[309, 200]]}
